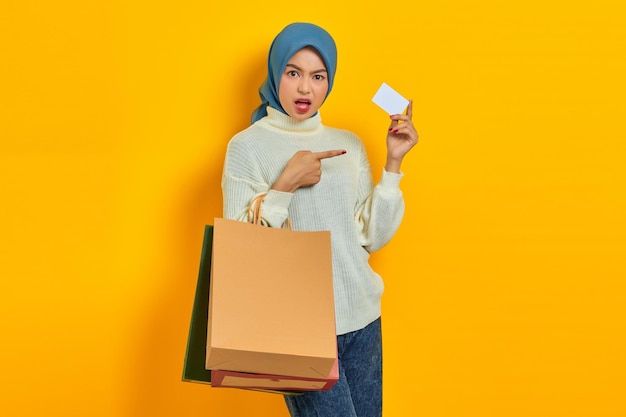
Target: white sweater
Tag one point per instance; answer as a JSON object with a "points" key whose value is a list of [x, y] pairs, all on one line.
{"points": [[361, 218]]}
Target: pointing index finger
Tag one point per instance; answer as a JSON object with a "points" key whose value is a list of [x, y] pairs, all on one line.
{"points": [[329, 154]]}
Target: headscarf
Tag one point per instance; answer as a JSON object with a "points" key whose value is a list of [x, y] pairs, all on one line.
{"points": [[289, 41]]}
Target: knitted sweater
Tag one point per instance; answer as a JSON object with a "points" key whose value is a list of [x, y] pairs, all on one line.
{"points": [[360, 216]]}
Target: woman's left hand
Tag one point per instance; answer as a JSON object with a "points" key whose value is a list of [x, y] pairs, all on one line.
{"points": [[402, 137]]}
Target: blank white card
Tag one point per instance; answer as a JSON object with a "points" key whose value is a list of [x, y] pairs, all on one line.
{"points": [[390, 100]]}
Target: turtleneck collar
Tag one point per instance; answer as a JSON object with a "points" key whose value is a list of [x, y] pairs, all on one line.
{"points": [[278, 120]]}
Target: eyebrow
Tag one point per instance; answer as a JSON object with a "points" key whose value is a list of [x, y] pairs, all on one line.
{"points": [[300, 69]]}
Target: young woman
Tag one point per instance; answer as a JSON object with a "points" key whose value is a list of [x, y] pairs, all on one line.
{"points": [[319, 177]]}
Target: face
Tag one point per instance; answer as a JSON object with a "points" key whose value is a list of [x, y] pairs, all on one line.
{"points": [[303, 84]]}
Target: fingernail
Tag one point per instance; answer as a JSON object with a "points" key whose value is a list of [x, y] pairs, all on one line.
{"points": [[344, 152], [390, 128], [395, 131]]}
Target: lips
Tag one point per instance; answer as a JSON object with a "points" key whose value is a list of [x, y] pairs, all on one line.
{"points": [[302, 105]]}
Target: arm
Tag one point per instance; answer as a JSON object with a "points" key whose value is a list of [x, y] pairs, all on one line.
{"points": [[242, 180], [380, 213], [380, 208]]}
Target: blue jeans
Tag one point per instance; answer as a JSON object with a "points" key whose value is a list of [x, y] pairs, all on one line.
{"points": [[358, 392]]}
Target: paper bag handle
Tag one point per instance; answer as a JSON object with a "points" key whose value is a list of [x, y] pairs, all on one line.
{"points": [[254, 212]]}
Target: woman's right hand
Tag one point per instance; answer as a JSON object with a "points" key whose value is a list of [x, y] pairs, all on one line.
{"points": [[304, 169]]}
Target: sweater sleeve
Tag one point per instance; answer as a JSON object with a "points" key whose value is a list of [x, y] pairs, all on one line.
{"points": [[380, 208], [242, 181]]}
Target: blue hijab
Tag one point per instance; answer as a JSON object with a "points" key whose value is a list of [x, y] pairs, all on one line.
{"points": [[289, 41]]}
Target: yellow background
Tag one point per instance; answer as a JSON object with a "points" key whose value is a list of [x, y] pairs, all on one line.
{"points": [[505, 291]]}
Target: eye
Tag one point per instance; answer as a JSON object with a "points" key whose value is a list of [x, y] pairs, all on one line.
{"points": [[319, 77], [292, 73]]}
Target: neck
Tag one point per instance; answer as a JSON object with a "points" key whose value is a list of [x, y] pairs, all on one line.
{"points": [[283, 121]]}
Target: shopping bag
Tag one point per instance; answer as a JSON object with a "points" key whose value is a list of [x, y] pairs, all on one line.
{"points": [[271, 305], [195, 355], [276, 382]]}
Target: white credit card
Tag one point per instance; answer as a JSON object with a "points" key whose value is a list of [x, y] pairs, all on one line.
{"points": [[390, 100]]}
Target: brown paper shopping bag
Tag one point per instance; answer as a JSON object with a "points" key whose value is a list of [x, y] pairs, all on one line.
{"points": [[194, 369], [271, 308]]}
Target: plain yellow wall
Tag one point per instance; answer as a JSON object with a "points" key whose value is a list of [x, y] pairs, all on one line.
{"points": [[505, 291]]}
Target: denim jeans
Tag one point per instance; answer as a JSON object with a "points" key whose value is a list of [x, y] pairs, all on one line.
{"points": [[358, 392]]}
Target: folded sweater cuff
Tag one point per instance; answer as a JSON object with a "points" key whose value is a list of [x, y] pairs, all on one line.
{"points": [[278, 199], [390, 180]]}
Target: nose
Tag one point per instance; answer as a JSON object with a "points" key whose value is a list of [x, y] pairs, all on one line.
{"points": [[304, 85]]}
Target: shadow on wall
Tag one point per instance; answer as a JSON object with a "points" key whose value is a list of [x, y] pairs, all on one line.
{"points": [[155, 384]]}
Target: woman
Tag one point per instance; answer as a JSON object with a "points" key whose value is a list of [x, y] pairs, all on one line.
{"points": [[319, 177]]}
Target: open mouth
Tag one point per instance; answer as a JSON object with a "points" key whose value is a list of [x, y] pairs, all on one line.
{"points": [[303, 105]]}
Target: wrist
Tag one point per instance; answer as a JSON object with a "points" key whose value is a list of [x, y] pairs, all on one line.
{"points": [[284, 186], [393, 165]]}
